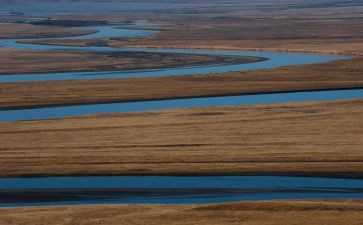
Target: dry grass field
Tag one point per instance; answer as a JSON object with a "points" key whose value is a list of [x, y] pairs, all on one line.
{"points": [[14, 30], [243, 213], [18, 62], [319, 26], [319, 138], [332, 75], [310, 139], [312, 26]]}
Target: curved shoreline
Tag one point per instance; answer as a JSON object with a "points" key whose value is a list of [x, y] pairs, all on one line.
{"points": [[79, 110], [178, 98], [346, 175], [208, 48], [110, 31], [220, 61], [232, 49]]}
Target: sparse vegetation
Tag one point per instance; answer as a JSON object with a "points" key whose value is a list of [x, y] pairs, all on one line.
{"points": [[244, 213], [311, 139]]}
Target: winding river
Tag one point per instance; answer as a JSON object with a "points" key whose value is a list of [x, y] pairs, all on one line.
{"points": [[167, 190], [274, 60]]}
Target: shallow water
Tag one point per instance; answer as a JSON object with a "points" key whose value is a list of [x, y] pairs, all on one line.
{"points": [[65, 111], [274, 59], [170, 190]]}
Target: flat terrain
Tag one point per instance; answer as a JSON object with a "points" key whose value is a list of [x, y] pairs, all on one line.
{"points": [[313, 26], [309, 26], [321, 138], [332, 75], [14, 30], [311, 139], [243, 213], [279, 32], [18, 62]]}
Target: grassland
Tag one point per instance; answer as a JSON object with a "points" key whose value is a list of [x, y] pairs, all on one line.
{"points": [[16, 30], [304, 26], [315, 139], [321, 26], [244, 213], [312, 139], [20, 62], [333, 75]]}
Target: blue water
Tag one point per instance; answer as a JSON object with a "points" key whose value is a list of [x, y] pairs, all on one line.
{"points": [[274, 59], [231, 188], [110, 31], [178, 182], [65, 111]]}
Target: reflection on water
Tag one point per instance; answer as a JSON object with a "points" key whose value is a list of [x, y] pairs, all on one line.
{"points": [[170, 190]]}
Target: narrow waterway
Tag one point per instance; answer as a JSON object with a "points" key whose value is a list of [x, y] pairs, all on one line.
{"points": [[170, 189], [166, 189], [79, 110], [274, 59]]}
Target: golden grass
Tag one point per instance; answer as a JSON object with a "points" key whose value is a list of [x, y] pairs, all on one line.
{"points": [[262, 26], [332, 75], [242, 213], [325, 30], [15, 62], [306, 138], [322, 138]]}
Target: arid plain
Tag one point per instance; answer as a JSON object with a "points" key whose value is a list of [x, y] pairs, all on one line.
{"points": [[311, 139]]}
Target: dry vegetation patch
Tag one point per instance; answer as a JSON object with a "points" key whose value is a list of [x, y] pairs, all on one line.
{"points": [[245, 213], [322, 138], [22, 62], [332, 75]]}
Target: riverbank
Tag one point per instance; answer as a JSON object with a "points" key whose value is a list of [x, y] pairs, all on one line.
{"points": [[318, 139], [310, 139], [28, 62], [57, 191], [332, 75], [326, 27], [327, 212]]}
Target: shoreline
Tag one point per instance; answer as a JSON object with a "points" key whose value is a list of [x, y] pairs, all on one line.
{"points": [[89, 42], [178, 98], [281, 149], [333, 175], [205, 61], [322, 212], [244, 60], [232, 49]]}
